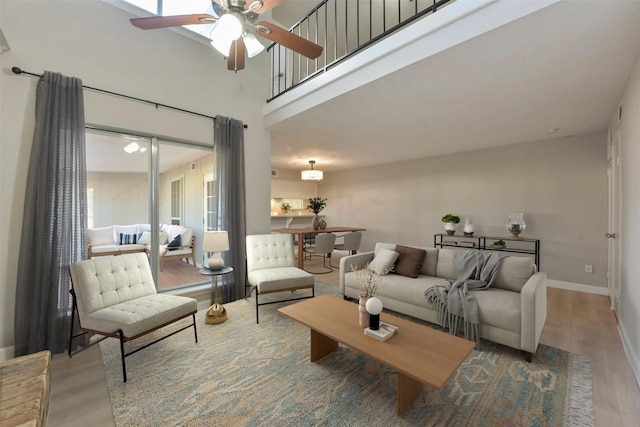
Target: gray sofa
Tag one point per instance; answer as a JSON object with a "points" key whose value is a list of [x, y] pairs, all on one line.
{"points": [[512, 311]]}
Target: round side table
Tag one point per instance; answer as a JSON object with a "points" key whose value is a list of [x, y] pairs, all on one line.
{"points": [[216, 313]]}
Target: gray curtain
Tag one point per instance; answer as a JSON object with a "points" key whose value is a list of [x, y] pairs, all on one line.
{"points": [[54, 223], [228, 150]]}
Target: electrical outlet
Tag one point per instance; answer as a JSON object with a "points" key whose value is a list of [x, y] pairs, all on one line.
{"points": [[588, 268]]}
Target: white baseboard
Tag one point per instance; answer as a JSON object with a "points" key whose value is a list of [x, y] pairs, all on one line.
{"points": [[7, 353], [590, 289], [634, 361]]}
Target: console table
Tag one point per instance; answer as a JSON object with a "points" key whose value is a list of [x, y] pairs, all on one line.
{"points": [[486, 243]]}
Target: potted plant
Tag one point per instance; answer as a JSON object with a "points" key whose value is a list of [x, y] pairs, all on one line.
{"points": [[316, 205], [450, 222], [285, 207]]}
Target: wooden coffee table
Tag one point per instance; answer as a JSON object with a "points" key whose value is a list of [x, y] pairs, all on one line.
{"points": [[419, 354]]}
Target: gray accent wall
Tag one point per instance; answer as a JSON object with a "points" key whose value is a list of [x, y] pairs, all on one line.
{"points": [[560, 185]]}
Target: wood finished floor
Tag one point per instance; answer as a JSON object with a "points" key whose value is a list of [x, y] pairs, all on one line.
{"points": [[577, 322]]}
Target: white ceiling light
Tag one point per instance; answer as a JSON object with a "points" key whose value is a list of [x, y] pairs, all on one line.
{"points": [[312, 174], [228, 29], [131, 148], [252, 44]]}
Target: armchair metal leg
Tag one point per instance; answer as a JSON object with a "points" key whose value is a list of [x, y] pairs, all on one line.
{"points": [[122, 355], [257, 320]]}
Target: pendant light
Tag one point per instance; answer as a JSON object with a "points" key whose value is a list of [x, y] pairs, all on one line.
{"points": [[311, 174]]}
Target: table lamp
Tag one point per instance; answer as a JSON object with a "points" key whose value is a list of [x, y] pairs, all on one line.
{"points": [[215, 242], [374, 308]]}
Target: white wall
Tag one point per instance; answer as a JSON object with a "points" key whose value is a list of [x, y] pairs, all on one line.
{"points": [[119, 198], [94, 41], [629, 126], [559, 185]]}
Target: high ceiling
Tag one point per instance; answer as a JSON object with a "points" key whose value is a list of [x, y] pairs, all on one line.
{"points": [[555, 73]]}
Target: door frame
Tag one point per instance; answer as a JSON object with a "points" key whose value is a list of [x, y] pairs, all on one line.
{"points": [[614, 242]]}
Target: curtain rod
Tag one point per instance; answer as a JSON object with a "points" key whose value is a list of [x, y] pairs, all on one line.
{"points": [[17, 70]]}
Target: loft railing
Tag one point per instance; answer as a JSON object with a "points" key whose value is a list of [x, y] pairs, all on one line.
{"points": [[343, 28]]}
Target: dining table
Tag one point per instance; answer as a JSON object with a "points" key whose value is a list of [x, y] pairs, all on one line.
{"points": [[301, 232]]}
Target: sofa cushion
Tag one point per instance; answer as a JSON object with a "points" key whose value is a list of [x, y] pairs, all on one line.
{"points": [[163, 238], [278, 279], [500, 308], [428, 266], [125, 229], [174, 243], [101, 249], [100, 236], [383, 261], [409, 261], [430, 262], [140, 315], [444, 267], [513, 273], [128, 238], [185, 236], [172, 230], [145, 238]]}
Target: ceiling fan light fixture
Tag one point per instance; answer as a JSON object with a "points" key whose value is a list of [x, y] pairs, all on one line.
{"points": [[252, 44], [311, 174], [255, 5], [228, 29]]}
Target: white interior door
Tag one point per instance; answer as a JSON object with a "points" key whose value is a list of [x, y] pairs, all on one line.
{"points": [[614, 235]]}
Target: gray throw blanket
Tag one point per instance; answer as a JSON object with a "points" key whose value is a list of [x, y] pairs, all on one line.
{"points": [[475, 271]]}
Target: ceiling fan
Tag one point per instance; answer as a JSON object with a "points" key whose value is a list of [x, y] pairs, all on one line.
{"points": [[235, 31]]}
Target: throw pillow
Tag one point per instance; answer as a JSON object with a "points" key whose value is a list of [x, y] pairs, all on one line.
{"points": [[174, 244], [100, 236], [128, 238], [409, 261], [145, 238], [383, 262]]}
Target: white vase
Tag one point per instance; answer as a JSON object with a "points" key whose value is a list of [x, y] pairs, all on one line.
{"points": [[469, 228], [450, 228]]}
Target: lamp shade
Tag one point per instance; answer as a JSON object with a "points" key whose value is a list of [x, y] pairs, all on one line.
{"points": [[215, 241], [252, 44], [374, 306]]}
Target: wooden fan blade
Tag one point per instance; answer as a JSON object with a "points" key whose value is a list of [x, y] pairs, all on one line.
{"points": [[267, 5], [235, 60], [154, 22], [290, 40]]}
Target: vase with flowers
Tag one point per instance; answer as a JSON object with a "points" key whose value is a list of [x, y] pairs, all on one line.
{"points": [[368, 283], [286, 207], [316, 205]]}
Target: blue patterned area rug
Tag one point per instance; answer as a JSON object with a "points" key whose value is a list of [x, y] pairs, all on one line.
{"points": [[244, 374]]}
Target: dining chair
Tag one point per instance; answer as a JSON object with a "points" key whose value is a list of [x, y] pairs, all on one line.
{"points": [[351, 243], [324, 243]]}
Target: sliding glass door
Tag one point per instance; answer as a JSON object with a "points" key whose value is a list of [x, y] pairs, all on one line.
{"points": [[138, 184]]}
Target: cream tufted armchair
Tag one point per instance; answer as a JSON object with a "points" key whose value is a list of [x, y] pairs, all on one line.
{"points": [[115, 296], [271, 267]]}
